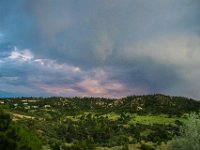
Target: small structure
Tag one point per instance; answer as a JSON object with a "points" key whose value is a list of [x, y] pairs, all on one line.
{"points": [[30, 101], [47, 106], [2, 102], [16, 105], [27, 107], [35, 107]]}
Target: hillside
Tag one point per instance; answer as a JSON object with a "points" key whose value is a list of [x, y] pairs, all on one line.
{"points": [[154, 104], [99, 123]]}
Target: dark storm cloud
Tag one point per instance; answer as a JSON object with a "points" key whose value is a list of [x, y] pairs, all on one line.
{"points": [[151, 76], [142, 46], [66, 29]]}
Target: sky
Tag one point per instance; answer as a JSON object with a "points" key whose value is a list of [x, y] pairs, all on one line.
{"points": [[101, 48]]}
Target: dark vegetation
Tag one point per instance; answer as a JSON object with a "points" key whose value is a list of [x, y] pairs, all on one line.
{"points": [[12, 136], [135, 122]]}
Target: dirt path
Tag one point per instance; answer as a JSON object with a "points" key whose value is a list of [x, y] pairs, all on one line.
{"points": [[19, 116]]}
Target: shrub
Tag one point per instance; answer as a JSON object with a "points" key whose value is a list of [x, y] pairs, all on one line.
{"points": [[189, 138], [145, 146]]}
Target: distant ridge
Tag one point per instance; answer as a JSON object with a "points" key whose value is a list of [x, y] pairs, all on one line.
{"points": [[145, 104]]}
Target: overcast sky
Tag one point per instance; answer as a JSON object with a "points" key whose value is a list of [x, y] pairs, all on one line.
{"points": [[109, 48]]}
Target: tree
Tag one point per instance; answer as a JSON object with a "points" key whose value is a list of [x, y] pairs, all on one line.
{"points": [[4, 121], [16, 138], [189, 135]]}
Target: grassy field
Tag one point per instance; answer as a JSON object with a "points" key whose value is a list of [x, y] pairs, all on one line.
{"points": [[157, 119]]}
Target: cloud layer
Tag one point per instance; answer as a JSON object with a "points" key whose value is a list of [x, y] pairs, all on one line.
{"points": [[27, 75], [108, 48]]}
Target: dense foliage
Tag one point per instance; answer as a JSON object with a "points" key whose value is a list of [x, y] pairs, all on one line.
{"points": [[57, 123], [13, 137], [189, 136]]}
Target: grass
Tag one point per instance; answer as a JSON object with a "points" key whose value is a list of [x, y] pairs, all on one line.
{"points": [[111, 116], [130, 146], [147, 119], [151, 119]]}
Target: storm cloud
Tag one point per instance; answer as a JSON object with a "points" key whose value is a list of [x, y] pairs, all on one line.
{"points": [[110, 48]]}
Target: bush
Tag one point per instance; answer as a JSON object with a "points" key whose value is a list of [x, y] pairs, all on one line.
{"points": [[5, 121], [145, 146], [189, 138], [14, 137]]}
